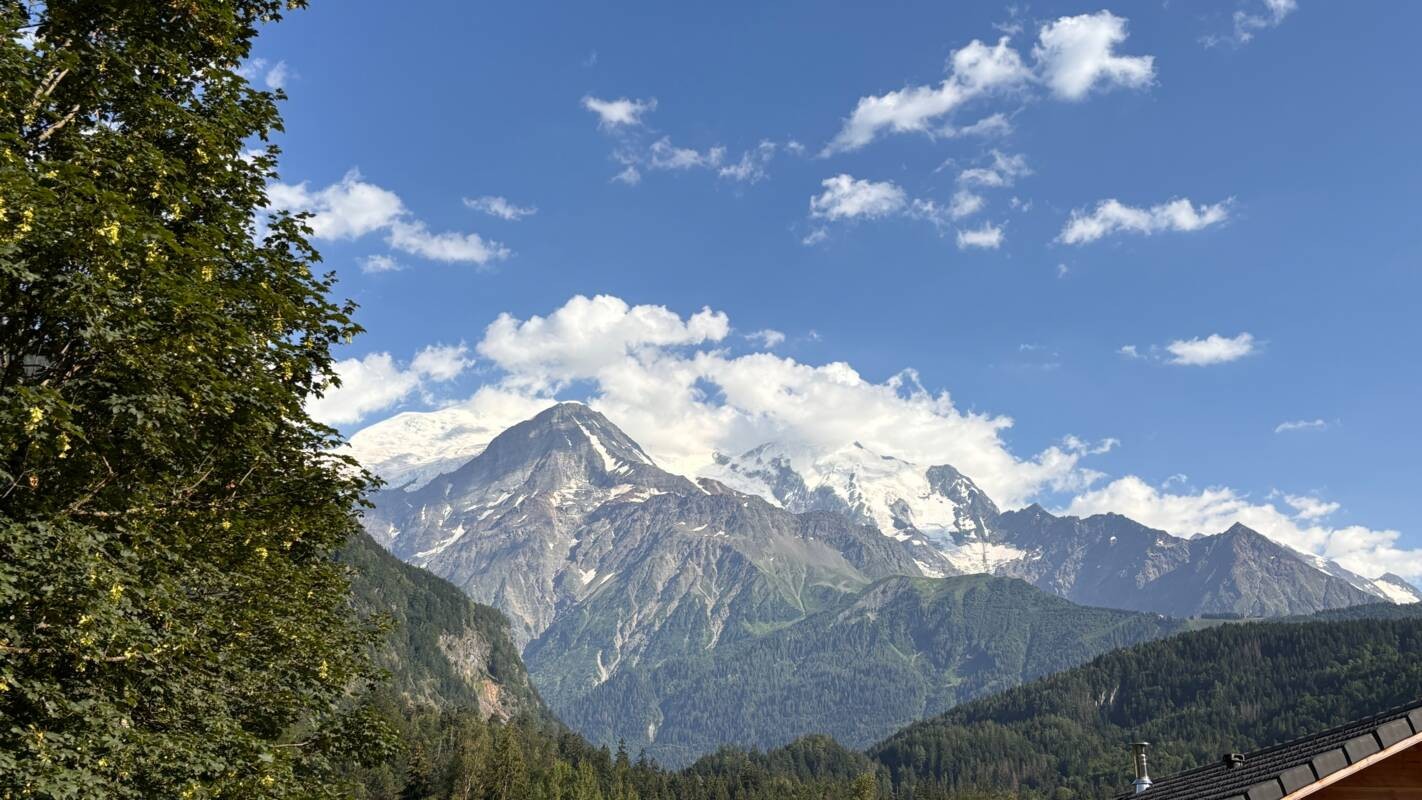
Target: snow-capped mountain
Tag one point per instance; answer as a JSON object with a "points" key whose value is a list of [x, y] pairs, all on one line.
{"points": [[1104, 560], [611, 568], [903, 500], [601, 558]]}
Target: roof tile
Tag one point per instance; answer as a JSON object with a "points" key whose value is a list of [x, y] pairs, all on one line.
{"points": [[1325, 764], [1268, 790], [1394, 732], [1361, 747], [1295, 778]]}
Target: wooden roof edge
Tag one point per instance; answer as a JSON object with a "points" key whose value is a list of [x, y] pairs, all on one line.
{"points": [[1356, 767]]}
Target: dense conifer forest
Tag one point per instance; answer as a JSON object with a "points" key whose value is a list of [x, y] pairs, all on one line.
{"points": [[1232, 687]]}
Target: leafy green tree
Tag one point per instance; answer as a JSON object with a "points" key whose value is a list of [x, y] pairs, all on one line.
{"points": [[171, 621]]}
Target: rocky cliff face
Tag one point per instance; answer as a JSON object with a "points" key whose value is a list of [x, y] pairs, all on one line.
{"points": [[445, 650]]}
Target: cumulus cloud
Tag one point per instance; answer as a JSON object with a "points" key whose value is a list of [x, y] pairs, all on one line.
{"points": [[415, 238], [1213, 349], [847, 197], [1360, 549], [1078, 54], [620, 112], [353, 207], [1307, 507], [500, 207], [973, 71], [988, 237], [376, 382], [670, 383], [1112, 217], [1072, 57], [1301, 425]]}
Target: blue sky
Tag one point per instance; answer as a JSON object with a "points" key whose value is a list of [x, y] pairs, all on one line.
{"points": [[1293, 153]]}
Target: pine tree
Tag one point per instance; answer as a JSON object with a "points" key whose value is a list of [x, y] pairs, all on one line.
{"points": [[171, 621]]}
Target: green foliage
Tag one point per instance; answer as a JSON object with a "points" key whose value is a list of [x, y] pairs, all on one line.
{"points": [[443, 649], [872, 663], [171, 621], [1231, 688]]}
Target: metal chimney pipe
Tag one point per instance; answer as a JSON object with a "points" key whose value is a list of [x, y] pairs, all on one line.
{"points": [[1143, 780]]}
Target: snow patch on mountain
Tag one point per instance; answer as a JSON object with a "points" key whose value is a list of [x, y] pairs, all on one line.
{"points": [[903, 500]]}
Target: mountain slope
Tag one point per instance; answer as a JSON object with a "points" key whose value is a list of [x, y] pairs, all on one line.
{"points": [[1109, 559], [444, 649], [1231, 688], [602, 560], [1101, 560], [903, 648]]}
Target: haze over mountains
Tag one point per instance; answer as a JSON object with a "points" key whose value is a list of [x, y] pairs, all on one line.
{"points": [[633, 590]]}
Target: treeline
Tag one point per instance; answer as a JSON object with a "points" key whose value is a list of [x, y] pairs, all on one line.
{"points": [[1228, 688], [859, 671]]}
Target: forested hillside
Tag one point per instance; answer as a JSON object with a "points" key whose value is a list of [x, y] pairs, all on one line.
{"points": [[903, 649], [442, 649], [1234, 687]]}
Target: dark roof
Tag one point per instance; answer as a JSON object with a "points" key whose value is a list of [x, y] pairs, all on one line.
{"points": [[1283, 769]]}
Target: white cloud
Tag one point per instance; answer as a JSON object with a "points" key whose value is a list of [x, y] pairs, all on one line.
{"points": [[416, 239], [664, 155], [641, 149], [1360, 549], [974, 70], [273, 76], [347, 209], [277, 76], [1301, 425], [1111, 217], [380, 263], [1005, 171], [500, 207], [847, 197], [769, 338], [1247, 22], [988, 236], [670, 383], [1306, 507], [1072, 56], [965, 204], [752, 166], [992, 125], [1076, 54], [630, 175], [352, 208], [619, 112], [376, 382], [1213, 349], [1129, 351], [666, 379]]}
